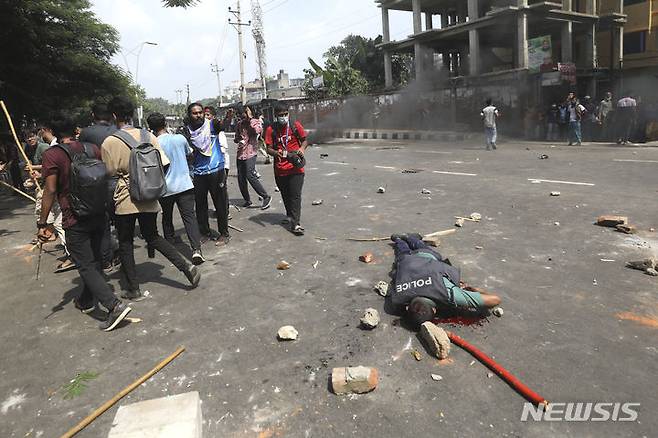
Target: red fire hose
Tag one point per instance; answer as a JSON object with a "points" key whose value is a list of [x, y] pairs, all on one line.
{"points": [[512, 381]]}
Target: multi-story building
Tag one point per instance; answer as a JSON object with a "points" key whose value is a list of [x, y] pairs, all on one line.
{"points": [[522, 53]]}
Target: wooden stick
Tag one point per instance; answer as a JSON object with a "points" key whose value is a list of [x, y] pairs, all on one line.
{"points": [[239, 230], [18, 191], [440, 233], [108, 404], [368, 239], [18, 143]]}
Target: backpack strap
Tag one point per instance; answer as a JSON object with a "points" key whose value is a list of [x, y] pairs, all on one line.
{"points": [[144, 136], [128, 139], [66, 150]]}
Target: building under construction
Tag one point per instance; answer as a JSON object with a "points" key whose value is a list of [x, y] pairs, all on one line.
{"points": [[522, 53]]}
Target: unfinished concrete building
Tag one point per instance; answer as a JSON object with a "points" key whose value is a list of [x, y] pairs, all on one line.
{"points": [[520, 52]]}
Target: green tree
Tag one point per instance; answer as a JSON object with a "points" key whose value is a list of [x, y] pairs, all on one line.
{"points": [[56, 58], [340, 79]]}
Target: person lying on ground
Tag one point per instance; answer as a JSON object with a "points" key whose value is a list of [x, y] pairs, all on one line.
{"points": [[428, 286]]}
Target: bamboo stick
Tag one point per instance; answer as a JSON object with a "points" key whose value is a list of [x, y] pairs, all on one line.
{"points": [[18, 143], [18, 191], [108, 404]]}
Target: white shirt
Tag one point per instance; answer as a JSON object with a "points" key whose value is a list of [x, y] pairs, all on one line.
{"points": [[626, 102], [53, 142], [489, 113]]}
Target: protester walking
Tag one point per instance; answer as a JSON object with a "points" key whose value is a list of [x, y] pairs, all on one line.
{"points": [[489, 116], [81, 196], [207, 140], [120, 156], [605, 115], [248, 131], [180, 190], [576, 113], [286, 142], [626, 117]]}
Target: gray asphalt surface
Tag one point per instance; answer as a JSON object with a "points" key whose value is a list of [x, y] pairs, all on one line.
{"points": [[575, 328]]}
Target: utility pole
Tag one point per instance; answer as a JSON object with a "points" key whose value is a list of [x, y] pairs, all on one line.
{"points": [[238, 27], [187, 86], [258, 32], [215, 69]]}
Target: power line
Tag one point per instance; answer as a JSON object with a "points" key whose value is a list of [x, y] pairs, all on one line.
{"points": [[275, 6]]}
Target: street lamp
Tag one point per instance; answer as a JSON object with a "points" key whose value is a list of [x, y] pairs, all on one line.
{"points": [[140, 110]]}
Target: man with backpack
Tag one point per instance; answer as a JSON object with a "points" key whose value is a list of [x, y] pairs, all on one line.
{"points": [[208, 142], [286, 142], [74, 175], [180, 189], [135, 158]]}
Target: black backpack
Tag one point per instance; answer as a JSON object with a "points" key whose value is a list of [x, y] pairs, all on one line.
{"points": [[147, 175], [87, 182]]}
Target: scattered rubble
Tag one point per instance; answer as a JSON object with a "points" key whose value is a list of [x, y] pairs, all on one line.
{"points": [[477, 217], [366, 258], [323, 156], [498, 311], [318, 202], [648, 266], [611, 221], [425, 192], [543, 157], [436, 339], [370, 319], [283, 265], [557, 224], [381, 190], [276, 189], [355, 380], [436, 377], [416, 355], [315, 264], [626, 229], [382, 288], [478, 247], [459, 222], [287, 333], [432, 241], [555, 193]]}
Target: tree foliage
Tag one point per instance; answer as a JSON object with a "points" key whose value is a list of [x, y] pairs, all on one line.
{"points": [[355, 66], [56, 58]]}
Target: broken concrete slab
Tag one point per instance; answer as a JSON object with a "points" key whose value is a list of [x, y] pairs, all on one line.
{"points": [[626, 229], [611, 220], [366, 257], [459, 222], [283, 265], [436, 339], [287, 333], [355, 380], [382, 288], [177, 416], [370, 319]]}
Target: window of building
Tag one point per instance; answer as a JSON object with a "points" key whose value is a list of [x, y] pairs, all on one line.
{"points": [[633, 2], [635, 42]]}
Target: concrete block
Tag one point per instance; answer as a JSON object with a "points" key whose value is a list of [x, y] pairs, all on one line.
{"points": [[177, 416]]}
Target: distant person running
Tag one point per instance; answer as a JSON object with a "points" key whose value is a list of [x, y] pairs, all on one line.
{"points": [[428, 286], [489, 115]]}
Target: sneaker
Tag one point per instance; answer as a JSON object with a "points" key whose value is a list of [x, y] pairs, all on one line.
{"points": [[110, 268], [298, 230], [84, 308], [267, 201], [65, 266], [117, 315], [197, 257], [134, 296], [247, 204], [193, 275], [223, 240]]}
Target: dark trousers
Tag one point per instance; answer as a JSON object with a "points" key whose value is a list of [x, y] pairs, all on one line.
{"points": [[247, 174], [624, 124], [106, 244], [290, 187], [125, 225], [84, 243], [215, 183], [185, 202], [404, 247]]}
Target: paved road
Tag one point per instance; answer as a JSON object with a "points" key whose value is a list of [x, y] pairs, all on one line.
{"points": [[576, 328]]}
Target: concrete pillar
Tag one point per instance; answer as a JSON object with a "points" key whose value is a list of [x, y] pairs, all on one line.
{"points": [[522, 36], [428, 21], [386, 26], [590, 47], [473, 40], [388, 70], [590, 7], [418, 23], [567, 34], [444, 19], [419, 56]]}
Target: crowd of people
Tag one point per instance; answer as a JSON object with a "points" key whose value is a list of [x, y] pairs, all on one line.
{"points": [[94, 185], [576, 120]]}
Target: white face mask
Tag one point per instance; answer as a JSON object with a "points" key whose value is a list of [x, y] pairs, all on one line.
{"points": [[283, 120]]}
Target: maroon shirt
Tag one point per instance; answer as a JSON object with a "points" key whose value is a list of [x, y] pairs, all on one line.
{"points": [[56, 162]]}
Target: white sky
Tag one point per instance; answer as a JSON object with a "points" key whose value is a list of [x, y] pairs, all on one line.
{"points": [[189, 40]]}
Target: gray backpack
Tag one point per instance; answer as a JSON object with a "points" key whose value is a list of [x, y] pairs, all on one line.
{"points": [[147, 176]]}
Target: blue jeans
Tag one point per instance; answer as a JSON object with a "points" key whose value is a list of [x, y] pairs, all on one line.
{"points": [[575, 132], [491, 134]]}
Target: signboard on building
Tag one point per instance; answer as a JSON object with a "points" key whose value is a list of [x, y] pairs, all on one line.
{"points": [[551, 78], [540, 54], [567, 72]]}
